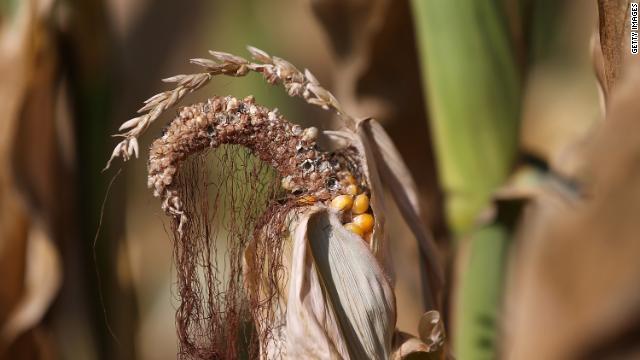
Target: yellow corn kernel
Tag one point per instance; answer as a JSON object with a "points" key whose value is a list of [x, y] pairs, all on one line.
{"points": [[354, 229], [364, 221], [342, 202], [352, 189], [349, 179], [360, 204]]}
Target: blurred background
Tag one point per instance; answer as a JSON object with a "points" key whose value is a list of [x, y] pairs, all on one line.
{"points": [[492, 105]]}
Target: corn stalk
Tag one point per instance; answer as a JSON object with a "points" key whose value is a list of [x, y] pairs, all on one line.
{"points": [[472, 82]]}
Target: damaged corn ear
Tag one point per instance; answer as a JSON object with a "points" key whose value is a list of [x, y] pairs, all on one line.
{"points": [[304, 178], [342, 202]]}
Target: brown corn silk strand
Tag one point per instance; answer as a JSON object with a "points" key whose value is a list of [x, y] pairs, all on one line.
{"points": [[224, 204], [263, 168]]}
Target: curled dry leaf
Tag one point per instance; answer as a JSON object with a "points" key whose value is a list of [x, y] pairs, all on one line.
{"points": [[431, 330], [430, 344], [28, 175], [407, 346], [574, 291]]}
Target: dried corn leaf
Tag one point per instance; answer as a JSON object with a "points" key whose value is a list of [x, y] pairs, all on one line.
{"points": [[29, 260], [13, 216], [574, 293], [431, 330]]}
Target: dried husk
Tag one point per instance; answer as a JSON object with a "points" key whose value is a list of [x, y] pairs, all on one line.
{"points": [[340, 302], [379, 149]]}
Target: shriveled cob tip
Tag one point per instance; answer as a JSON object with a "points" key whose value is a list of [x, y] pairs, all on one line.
{"points": [[274, 69]]}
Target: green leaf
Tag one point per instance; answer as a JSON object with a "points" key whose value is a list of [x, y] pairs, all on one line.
{"points": [[473, 88]]}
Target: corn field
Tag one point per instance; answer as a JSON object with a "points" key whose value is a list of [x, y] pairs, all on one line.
{"points": [[413, 179]]}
